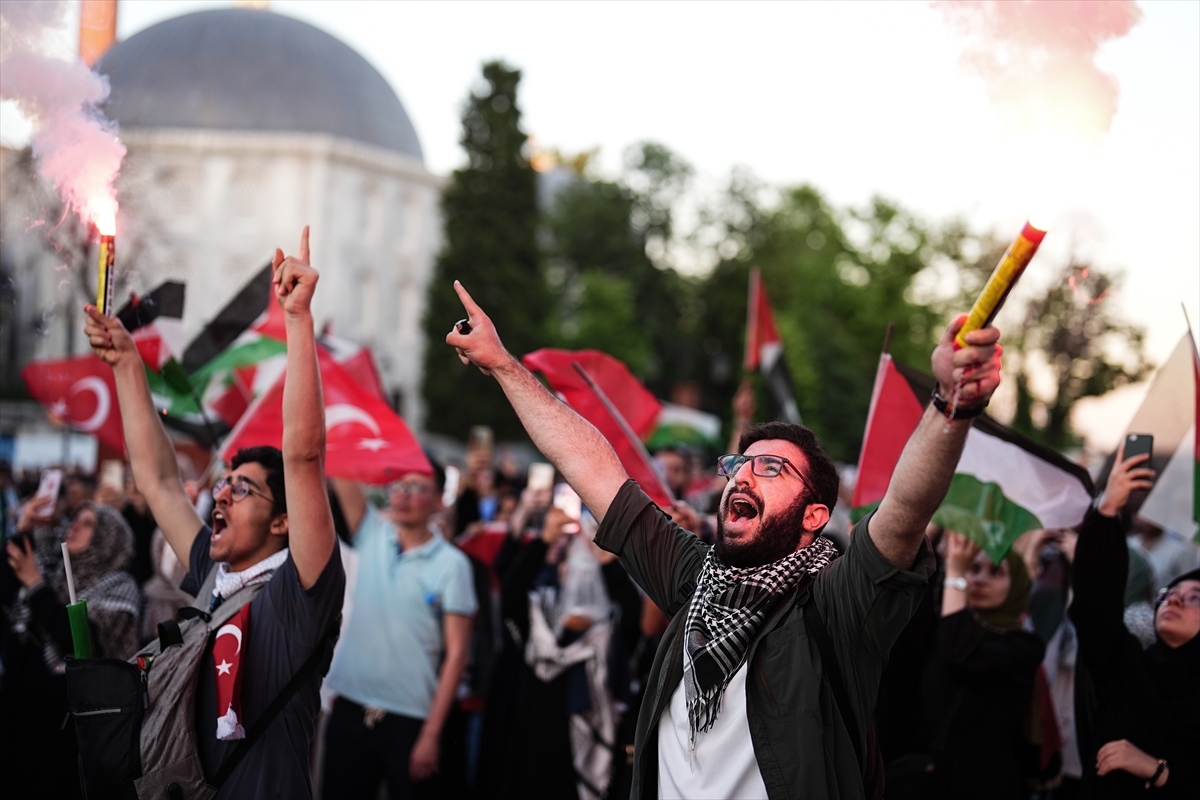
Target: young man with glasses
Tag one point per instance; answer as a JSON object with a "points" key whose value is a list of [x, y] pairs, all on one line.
{"points": [[404, 647], [272, 527], [740, 702]]}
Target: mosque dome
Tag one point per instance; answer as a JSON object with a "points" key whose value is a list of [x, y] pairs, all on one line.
{"points": [[249, 70]]}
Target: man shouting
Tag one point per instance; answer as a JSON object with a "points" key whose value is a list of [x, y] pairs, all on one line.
{"points": [[764, 684]]}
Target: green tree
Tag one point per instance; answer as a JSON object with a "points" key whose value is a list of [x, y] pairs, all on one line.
{"points": [[1071, 332], [610, 294], [490, 212], [836, 279]]}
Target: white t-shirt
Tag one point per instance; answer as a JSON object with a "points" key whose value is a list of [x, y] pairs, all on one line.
{"points": [[724, 765]]}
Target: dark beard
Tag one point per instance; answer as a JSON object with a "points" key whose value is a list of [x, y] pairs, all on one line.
{"points": [[777, 537]]}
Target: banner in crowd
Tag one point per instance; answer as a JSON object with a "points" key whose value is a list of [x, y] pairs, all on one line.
{"points": [[1171, 414], [632, 400], [364, 440], [764, 351], [1005, 483]]}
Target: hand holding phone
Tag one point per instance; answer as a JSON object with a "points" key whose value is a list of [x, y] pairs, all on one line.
{"points": [[47, 492], [1126, 478]]}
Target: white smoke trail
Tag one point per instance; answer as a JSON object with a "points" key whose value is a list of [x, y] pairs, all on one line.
{"points": [[1038, 60], [77, 149]]}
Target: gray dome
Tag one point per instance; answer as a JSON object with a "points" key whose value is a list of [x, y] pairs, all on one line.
{"points": [[248, 70]]}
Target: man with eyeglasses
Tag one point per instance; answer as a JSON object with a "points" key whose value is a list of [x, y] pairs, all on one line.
{"points": [[740, 701], [404, 647], [271, 527], [1139, 712]]}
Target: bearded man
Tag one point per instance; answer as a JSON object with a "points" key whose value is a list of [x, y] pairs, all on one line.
{"points": [[740, 701]]}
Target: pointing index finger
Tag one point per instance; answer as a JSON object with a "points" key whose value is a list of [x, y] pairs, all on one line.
{"points": [[465, 298], [304, 245]]}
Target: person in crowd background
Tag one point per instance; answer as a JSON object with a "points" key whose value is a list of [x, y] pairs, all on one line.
{"points": [[705, 727], [272, 527], [978, 684], [1139, 726], [542, 691], [404, 649]]}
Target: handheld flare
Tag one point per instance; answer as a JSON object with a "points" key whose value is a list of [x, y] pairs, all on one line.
{"points": [[104, 269], [1016, 258]]}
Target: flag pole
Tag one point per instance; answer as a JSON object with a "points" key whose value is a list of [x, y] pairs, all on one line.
{"points": [[628, 431], [751, 355]]}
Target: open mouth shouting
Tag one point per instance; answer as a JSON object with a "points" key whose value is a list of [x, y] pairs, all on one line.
{"points": [[219, 523], [742, 505]]}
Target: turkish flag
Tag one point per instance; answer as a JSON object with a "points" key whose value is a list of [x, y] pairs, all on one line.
{"points": [[632, 400], [79, 392], [228, 648], [364, 439]]}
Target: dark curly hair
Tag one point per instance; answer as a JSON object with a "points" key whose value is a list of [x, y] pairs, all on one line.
{"points": [[271, 460], [822, 477]]}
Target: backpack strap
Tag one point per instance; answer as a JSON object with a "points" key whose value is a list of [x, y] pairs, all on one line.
{"points": [[833, 671], [320, 657]]}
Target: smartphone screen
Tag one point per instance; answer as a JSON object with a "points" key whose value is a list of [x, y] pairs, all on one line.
{"points": [[1137, 444], [112, 473], [566, 499], [541, 476], [47, 491]]}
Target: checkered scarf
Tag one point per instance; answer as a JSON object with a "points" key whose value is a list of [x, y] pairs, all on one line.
{"points": [[727, 611]]}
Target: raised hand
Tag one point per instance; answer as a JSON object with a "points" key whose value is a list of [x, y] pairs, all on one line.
{"points": [[960, 552], [294, 280], [481, 346], [1124, 478], [108, 337], [977, 366]]}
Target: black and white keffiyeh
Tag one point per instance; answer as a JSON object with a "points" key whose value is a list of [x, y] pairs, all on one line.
{"points": [[727, 611]]}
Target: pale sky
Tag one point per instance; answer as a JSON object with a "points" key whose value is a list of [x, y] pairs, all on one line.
{"points": [[856, 98]]}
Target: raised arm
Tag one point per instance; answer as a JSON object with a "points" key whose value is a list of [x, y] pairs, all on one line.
{"points": [[151, 455], [922, 475], [310, 522], [570, 442]]}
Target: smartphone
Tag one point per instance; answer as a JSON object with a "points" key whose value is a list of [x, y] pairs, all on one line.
{"points": [[112, 473], [481, 437], [541, 476], [566, 499], [47, 492], [1137, 444]]}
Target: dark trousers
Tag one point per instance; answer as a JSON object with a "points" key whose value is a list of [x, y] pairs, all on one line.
{"points": [[357, 758]]}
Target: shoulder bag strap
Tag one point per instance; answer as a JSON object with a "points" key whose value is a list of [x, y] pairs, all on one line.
{"points": [[320, 657], [833, 671]]}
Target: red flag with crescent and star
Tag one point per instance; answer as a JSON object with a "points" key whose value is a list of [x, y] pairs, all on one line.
{"points": [[364, 439], [227, 660], [78, 392]]}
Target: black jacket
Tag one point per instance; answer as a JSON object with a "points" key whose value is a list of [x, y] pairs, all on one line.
{"points": [[1150, 697]]}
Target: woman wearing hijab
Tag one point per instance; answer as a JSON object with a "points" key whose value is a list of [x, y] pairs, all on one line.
{"points": [[1139, 716], [977, 686]]}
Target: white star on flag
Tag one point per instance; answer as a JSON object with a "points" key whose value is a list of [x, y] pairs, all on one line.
{"points": [[58, 408], [374, 445], [223, 667]]}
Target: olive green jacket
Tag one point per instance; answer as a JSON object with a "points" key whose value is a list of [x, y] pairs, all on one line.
{"points": [[801, 744]]}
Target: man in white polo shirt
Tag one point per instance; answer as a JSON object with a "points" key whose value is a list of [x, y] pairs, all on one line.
{"points": [[404, 647]]}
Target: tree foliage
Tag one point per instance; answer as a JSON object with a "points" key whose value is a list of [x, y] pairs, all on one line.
{"points": [[490, 212]]}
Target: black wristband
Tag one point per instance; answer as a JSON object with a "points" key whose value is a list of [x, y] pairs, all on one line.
{"points": [[960, 412], [1162, 765]]}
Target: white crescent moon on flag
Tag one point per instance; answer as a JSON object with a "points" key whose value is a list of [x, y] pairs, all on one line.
{"points": [[342, 413], [232, 630], [103, 402]]}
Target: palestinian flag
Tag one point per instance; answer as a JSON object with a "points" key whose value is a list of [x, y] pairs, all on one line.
{"points": [[1005, 483], [680, 425], [155, 321], [764, 351], [1171, 414]]}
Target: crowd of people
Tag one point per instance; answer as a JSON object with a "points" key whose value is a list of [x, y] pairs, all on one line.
{"points": [[550, 632]]}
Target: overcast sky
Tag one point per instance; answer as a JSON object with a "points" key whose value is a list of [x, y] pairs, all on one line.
{"points": [[856, 98]]}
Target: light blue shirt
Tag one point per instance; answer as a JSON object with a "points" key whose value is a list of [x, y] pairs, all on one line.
{"points": [[391, 647]]}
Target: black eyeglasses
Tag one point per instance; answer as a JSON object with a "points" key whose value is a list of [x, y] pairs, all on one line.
{"points": [[764, 466], [1187, 599], [237, 489]]}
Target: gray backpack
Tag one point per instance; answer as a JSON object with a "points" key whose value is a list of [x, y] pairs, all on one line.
{"points": [[135, 720]]}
